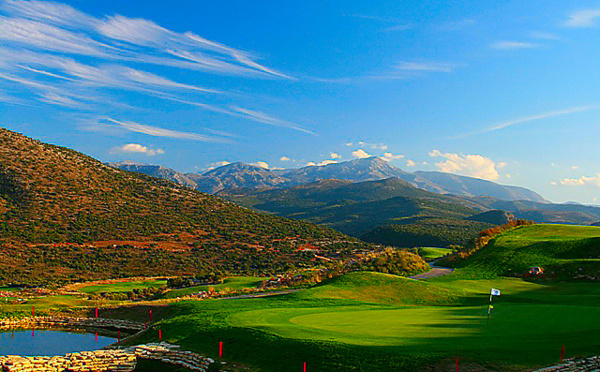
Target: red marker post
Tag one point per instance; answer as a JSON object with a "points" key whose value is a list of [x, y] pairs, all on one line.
{"points": [[96, 312], [150, 315], [160, 335], [562, 353], [96, 336], [220, 349], [304, 366], [456, 364]]}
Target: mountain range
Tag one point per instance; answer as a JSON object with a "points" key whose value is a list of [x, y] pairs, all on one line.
{"points": [[239, 175]]}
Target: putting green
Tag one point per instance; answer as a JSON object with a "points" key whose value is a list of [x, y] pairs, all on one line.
{"points": [[437, 329]]}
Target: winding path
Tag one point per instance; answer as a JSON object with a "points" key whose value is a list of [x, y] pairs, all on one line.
{"points": [[435, 271]]}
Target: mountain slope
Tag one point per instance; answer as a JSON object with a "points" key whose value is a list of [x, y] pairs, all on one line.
{"points": [[470, 186], [355, 208], [239, 175], [50, 194], [157, 171]]}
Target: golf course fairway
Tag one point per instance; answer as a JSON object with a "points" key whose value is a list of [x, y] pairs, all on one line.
{"points": [[366, 321]]}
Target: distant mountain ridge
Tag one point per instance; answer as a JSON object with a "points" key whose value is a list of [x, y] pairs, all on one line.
{"points": [[239, 175]]}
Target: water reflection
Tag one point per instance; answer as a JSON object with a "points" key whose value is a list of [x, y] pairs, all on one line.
{"points": [[49, 343]]}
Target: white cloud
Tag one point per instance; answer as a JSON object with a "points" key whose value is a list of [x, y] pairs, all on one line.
{"points": [[284, 158], [389, 156], [218, 164], [410, 163], [574, 167], [327, 162], [468, 165], [582, 181], [511, 45], [374, 146], [583, 18], [501, 164], [553, 183], [137, 148], [360, 153], [426, 66], [349, 144], [261, 164], [335, 155], [311, 164]]}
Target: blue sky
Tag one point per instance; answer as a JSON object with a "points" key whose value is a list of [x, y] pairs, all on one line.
{"points": [[506, 91]]}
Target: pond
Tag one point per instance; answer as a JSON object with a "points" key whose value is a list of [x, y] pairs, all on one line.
{"points": [[49, 343]]}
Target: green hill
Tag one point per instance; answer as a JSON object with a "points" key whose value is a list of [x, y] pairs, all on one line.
{"points": [[563, 251], [426, 231], [66, 215], [358, 208]]}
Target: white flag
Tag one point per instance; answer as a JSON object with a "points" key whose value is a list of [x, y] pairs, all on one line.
{"points": [[495, 292]]}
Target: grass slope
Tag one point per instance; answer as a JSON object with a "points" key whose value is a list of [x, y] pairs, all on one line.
{"points": [[66, 216], [379, 322], [564, 251]]}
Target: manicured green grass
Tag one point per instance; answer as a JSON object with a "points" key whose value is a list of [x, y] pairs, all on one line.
{"points": [[378, 322], [431, 253], [235, 283], [123, 286]]}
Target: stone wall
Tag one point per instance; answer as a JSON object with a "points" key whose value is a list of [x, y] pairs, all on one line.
{"points": [[575, 365], [87, 361], [123, 360], [48, 322]]}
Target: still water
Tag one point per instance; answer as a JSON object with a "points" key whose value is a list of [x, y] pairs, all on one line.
{"points": [[49, 343]]}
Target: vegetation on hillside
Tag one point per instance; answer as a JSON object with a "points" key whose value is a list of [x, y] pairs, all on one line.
{"points": [[421, 232], [65, 216]]}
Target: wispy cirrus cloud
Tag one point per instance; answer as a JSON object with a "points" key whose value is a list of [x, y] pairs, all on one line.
{"points": [[531, 118], [62, 54], [513, 45], [161, 132], [584, 18], [266, 119], [426, 66]]}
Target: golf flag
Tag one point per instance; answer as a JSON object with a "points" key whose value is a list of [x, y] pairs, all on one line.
{"points": [[495, 292]]}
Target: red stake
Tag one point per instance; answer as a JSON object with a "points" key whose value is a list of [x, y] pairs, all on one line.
{"points": [[96, 312], [145, 325], [150, 315], [220, 349], [32, 333], [562, 353], [304, 366], [456, 364], [96, 336], [160, 335]]}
